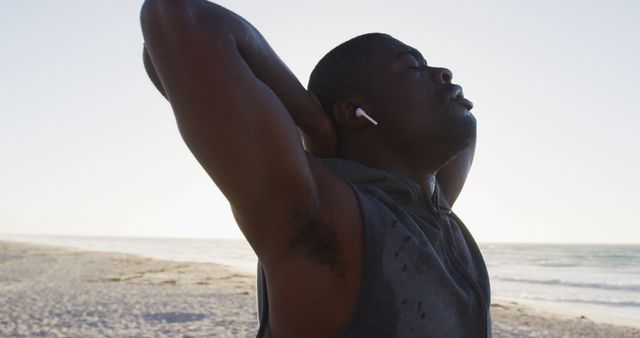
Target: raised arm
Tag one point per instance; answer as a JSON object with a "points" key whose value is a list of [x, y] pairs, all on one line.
{"points": [[453, 175], [232, 98], [317, 130]]}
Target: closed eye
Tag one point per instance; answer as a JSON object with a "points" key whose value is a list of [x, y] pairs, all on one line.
{"points": [[421, 68]]}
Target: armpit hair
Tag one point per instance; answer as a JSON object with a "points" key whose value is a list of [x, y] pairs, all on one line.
{"points": [[315, 238]]}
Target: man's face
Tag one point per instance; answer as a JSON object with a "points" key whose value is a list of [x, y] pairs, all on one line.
{"points": [[416, 105]]}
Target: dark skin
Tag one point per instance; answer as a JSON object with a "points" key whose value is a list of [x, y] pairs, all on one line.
{"points": [[240, 110]]}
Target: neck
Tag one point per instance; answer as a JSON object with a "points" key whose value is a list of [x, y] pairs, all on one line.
{"points": [[403, 164]]}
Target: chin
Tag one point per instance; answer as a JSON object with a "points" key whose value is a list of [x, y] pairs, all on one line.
{"points": [[468, 130], [457, 134]]}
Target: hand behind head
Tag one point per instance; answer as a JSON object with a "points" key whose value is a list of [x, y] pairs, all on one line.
{"points": [[319, 138]]}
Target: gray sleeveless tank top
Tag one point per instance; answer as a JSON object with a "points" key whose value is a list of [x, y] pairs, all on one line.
{"points": [[422, 274]]}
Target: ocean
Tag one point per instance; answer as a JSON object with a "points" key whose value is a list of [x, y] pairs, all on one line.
{"points": [[597, 281], [601, 282]]}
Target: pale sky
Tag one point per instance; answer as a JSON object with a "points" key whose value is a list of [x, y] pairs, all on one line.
{"points": [[88, 147]]}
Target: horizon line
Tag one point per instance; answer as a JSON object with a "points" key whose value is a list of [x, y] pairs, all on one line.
{"points": [[244, 239]]}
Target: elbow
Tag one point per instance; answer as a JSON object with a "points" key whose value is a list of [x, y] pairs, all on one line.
{"points": [[171, 19], [156, 15], [157, 10]]}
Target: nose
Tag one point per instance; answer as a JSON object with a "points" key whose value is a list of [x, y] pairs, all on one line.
{"points": [[443, 75]]}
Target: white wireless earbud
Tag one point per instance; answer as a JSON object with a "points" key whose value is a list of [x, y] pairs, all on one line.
{"points": [[360, 113]]}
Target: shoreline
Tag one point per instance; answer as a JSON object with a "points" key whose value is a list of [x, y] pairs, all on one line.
{"points": [[57, 291], [568, 311], [514, 318]]}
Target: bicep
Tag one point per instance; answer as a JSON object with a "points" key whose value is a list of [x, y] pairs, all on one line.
{"points": [[233, 123]]}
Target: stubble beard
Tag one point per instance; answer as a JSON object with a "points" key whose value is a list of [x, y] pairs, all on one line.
{"points": [[453, 136]]}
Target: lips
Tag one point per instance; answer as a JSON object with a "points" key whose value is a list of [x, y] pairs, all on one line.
{"points": [[456, 95], [464, 102]]}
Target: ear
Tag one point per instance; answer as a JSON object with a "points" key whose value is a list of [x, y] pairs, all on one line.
{"points": [[344, 112]]}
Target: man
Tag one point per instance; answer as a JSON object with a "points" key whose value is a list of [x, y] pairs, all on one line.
{"points": [[360, 245]]}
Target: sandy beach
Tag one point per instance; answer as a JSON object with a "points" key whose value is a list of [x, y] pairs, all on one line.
{"points": [[55, 292]]}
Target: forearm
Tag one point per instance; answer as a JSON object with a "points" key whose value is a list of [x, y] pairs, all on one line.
{"points": [[211, 22], [259, 56], [270, 69]]}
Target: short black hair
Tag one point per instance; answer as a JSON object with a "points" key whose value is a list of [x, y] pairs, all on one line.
{"points": [[343, 71]]}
